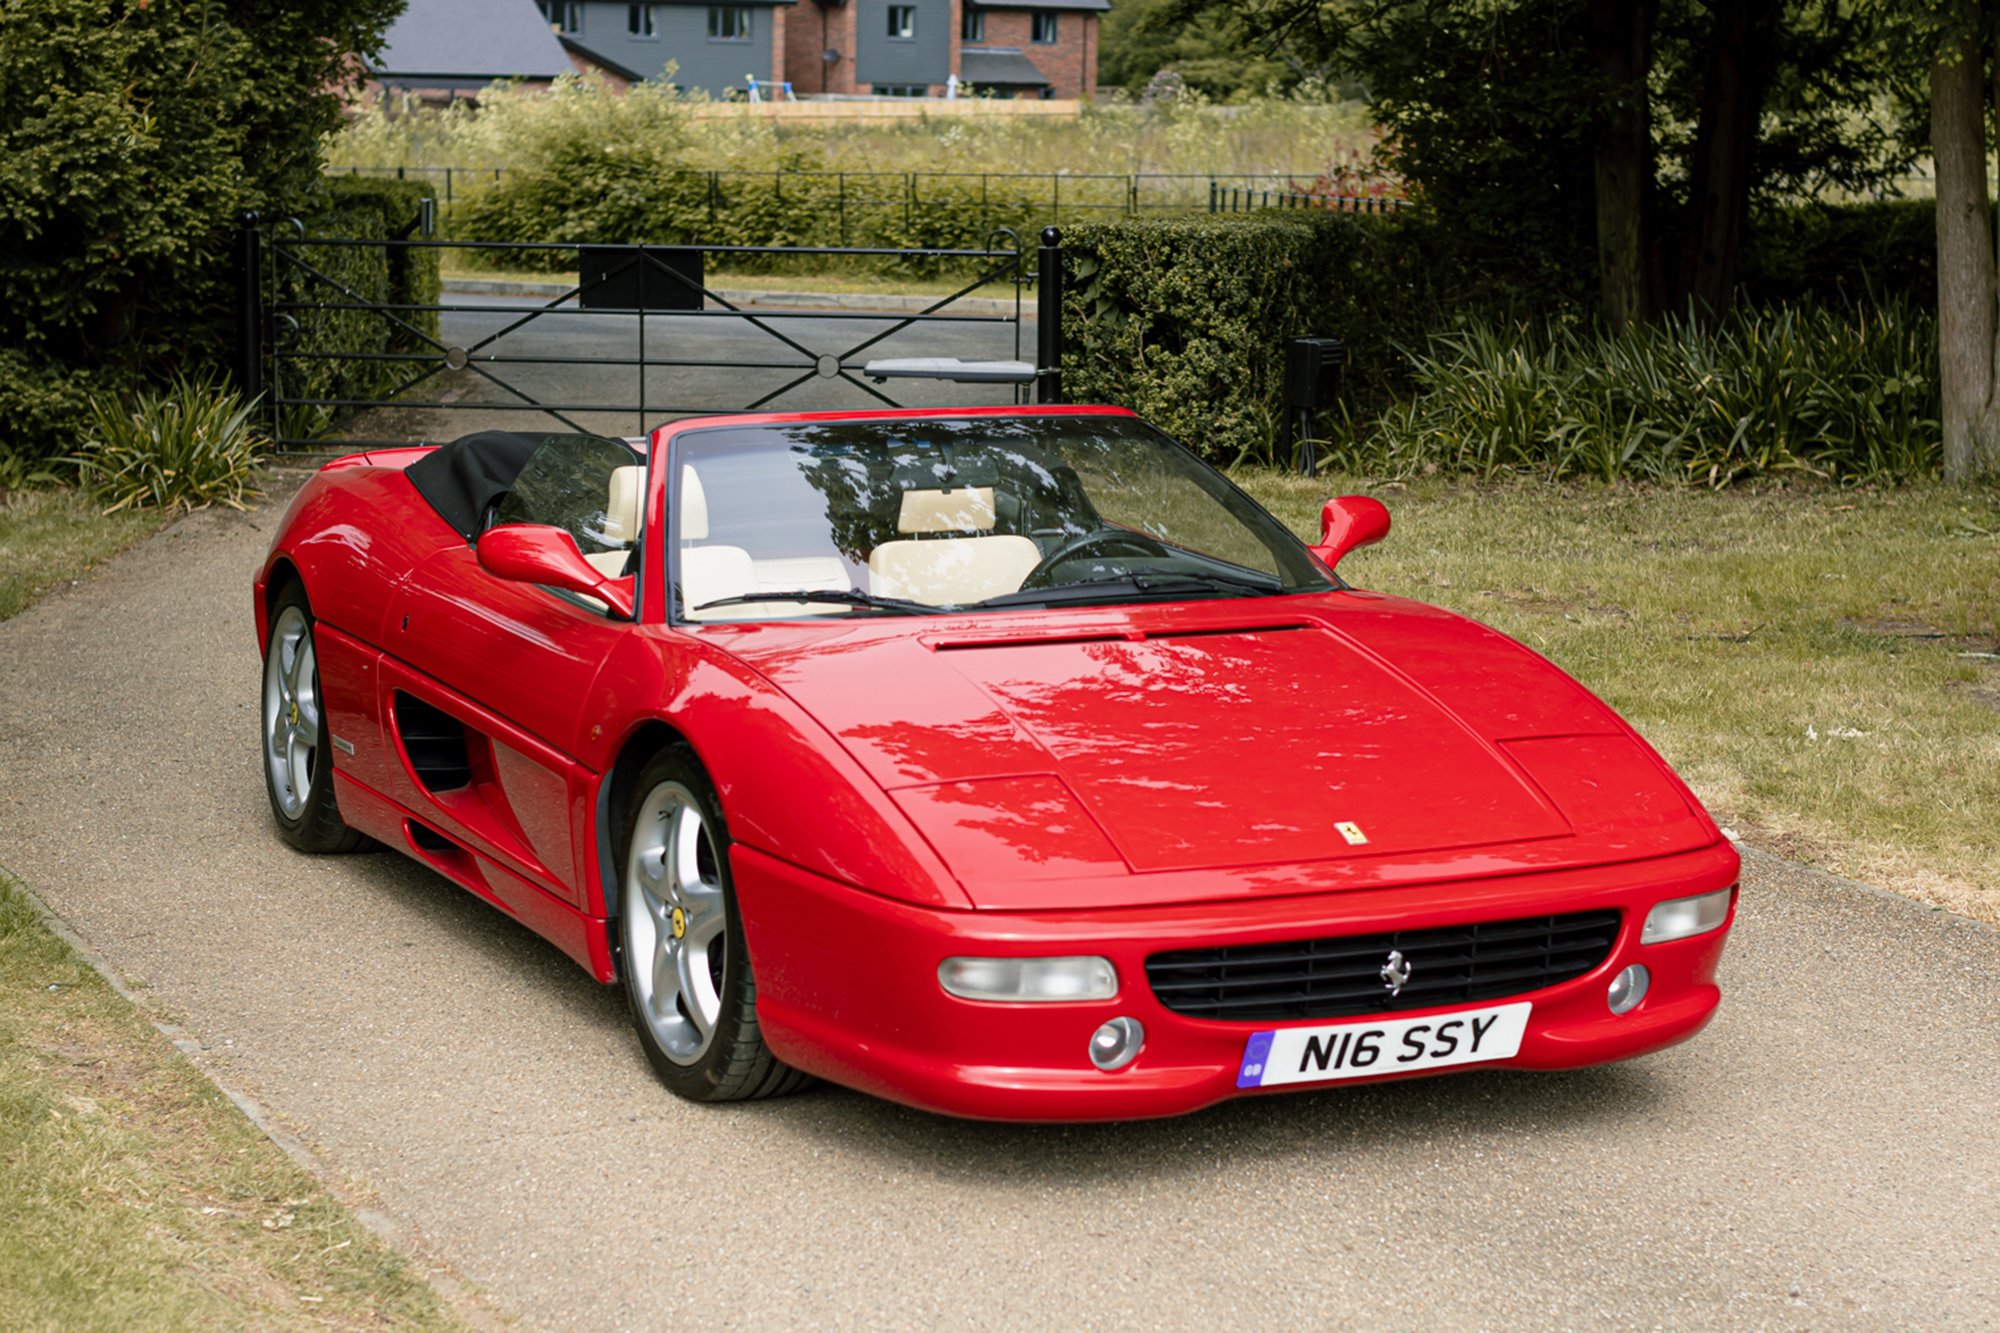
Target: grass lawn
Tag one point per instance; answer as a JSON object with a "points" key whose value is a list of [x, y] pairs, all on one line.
{"points": [[134, 1195], [49, 536], [1819, 665]]}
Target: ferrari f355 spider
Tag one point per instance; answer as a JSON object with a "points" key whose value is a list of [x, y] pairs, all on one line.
{"points": [[1009, 763]]}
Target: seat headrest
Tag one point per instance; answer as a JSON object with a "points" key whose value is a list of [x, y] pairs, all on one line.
{"points": [[694, 506], [621, 508], [961, 509]]}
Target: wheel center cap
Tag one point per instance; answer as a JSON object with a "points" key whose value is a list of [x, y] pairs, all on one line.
{"points": [[680, 923]]}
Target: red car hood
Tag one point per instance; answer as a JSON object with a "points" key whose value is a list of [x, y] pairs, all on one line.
{"points": [[1346, 729]]}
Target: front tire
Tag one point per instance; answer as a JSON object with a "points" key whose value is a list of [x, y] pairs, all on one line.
{"points": [[298, 755], [685, 965]]}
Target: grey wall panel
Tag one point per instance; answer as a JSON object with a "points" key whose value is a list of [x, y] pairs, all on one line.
{"points": [[926, 60], [682, 37]]}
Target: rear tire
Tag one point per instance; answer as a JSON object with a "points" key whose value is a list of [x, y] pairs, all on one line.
{"points": [[297, 749], [685, 966]]}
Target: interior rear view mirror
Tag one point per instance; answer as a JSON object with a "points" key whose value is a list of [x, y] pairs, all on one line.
{"points": [[1348, 522]]}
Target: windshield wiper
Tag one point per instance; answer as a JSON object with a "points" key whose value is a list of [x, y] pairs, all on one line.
{"points": [[1139, 582], [850, 597]]}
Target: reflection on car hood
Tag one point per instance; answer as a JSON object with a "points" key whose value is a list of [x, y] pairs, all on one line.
{"points": [[1224, 736]]}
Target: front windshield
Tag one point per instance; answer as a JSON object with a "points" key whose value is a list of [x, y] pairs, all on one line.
{"points": [[916, 517]]}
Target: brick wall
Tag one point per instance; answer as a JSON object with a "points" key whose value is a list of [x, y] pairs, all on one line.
{"points": [[1070, 64]]}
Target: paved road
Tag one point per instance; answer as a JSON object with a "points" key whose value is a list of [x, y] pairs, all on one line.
{"points": [[493, 327], [1823, 1157]]}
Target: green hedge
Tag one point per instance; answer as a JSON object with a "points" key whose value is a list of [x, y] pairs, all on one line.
{"points": [[412, 276], [585, 197], [1874, 252], [1185, 320], [366, 210]]}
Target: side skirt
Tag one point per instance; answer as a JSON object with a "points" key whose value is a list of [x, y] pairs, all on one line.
{"points": [[582, 937]]}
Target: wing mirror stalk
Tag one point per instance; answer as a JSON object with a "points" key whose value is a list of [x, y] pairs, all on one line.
{"points": [[1347, 523], [533, 553]]}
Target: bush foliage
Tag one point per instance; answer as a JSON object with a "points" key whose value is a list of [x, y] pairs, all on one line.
{"points": [[186, 448], [131, 136], [1185, 321], [351, 209], [1846, 394]]}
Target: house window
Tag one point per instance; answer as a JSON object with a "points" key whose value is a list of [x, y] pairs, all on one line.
{"points": [[728, 23], [902, 23], [563, 17], [901, 90], [639, 21], [1044, 29], [972, 28]]}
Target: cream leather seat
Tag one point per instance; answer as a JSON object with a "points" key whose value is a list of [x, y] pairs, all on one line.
{"points": [[621, 519], [710, 573], [950, 571]]}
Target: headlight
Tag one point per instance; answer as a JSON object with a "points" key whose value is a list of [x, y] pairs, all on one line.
{"points": [[1681, 917], [1029, 979]]}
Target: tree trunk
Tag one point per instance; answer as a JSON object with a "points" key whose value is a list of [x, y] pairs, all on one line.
{"points": [[1965, 263], [1736, 74], [1621, 46]]}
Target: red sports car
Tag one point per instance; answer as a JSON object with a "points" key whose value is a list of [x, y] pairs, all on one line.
{"points": [[1009, 763]]}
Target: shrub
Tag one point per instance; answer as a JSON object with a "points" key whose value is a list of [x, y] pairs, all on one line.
{"points": [[1843, 253], [189, 447], [1849, 394], [1184, 320], [363, 210], [130, 138]]}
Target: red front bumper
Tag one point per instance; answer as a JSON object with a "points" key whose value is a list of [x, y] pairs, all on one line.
{"points": [[847, 985]]}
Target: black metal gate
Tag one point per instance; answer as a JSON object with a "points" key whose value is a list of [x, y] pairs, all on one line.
{"points": [[323, 345]]}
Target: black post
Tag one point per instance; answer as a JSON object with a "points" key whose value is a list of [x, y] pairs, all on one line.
{"points": [[1312, 382], [249, 308], [1048, 317]]}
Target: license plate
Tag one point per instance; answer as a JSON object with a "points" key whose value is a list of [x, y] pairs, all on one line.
{"points": [[1385, 1046]]}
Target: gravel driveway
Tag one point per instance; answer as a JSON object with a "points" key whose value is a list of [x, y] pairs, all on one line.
{"points": [[1824, 1156]]}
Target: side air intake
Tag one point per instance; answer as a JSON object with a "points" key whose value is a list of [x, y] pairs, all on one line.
{"points": [[435, 742]]}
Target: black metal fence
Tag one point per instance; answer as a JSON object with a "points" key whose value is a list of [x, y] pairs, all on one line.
{"points": [[324, 344]]}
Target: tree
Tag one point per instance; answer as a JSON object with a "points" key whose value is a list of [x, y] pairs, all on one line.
{"points": [[1614, 144], [1204, 51], [132, 133], [1968, 331]]}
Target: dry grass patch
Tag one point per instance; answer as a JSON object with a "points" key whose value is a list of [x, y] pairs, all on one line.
{"points": [[1819, 665], [47, 537], [134, 1195]]}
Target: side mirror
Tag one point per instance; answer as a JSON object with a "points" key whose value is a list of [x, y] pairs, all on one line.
{"points": [[1348, 522], [533, 553]]}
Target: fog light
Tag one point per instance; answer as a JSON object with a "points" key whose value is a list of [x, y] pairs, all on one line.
{"points": [[1113, 1045], [1682, 917], [1628, 988], [1029, 979]]}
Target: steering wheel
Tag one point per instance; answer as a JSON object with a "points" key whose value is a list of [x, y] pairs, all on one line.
{"points": [[1102, 541]]}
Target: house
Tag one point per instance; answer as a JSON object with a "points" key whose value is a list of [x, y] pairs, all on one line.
{"points": [[449, 48], [442, 49], [917, 49], [714, 48]]}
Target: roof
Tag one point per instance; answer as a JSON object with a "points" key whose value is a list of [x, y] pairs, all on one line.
{"points": [[998, 67], [473, 39], [605, 63], [1092, 6]]}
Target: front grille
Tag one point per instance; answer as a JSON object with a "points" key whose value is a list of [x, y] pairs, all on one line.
{"points": [[1336, 977]]}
